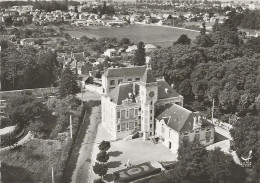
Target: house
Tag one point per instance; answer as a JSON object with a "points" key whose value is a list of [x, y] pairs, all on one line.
{"points": [[150, 47], [131, 49], [130, 106], [114, 76], [110, 53], [176, 123]]}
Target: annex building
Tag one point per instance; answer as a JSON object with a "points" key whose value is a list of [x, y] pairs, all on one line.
{"points": [[135, 102]]}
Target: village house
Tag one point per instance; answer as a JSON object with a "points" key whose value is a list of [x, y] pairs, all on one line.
{"points": [[110, 53]]}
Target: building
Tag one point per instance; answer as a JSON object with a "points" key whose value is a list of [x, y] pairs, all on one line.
{"points": [[110, 53], [131, 105], [176, 123], [114, 76], [136, 103]]}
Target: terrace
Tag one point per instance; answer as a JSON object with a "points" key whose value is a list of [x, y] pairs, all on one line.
{"points": [[135, 151]]}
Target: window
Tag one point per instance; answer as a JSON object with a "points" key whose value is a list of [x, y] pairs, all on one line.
{"points": [[131, 113], [151, 102], [151, 118], [118, 128], [136, 125], [112, 82], [151, 125], [123, 127], [136, 112], [123, 116], [137, 79], [120, 81], [118, 114], [151, 111], [197, 137], [131, 125]]}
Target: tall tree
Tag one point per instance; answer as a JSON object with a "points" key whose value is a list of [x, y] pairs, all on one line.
{"points": [[68, 83], [102, 157], [183, 39], [139, 57], [100, 169], [222, 168]]}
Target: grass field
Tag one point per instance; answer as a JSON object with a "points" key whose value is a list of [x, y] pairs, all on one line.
{"points": [[161, 36]]}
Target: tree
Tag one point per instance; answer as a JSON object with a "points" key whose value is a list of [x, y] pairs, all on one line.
{"points": [[124, 41], [183, 39], [102, 157], [139, 56], [222, 168], [100, 169], [245, 136], [104, 145], [99, 181], [191, 164], [68, 84]]}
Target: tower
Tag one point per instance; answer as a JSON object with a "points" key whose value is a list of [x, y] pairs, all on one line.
{"points": [[148, 96]]}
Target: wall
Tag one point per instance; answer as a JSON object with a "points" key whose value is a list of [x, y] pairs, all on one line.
{"points": [[169, 135]]}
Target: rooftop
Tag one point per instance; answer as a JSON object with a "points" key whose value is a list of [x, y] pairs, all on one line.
{"points": [[180, 119], [136, 71]]}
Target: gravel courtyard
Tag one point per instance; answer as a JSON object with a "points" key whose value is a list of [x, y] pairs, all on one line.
{"points": [[136, 151]]}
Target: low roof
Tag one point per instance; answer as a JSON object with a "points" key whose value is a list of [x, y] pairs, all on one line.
{"points": [[136, 71], [180, 119]]}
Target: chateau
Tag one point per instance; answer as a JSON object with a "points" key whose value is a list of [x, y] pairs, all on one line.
{"points": [[135, 102]]}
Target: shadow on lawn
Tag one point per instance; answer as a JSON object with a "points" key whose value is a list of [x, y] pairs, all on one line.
{"points": [[113, 164], [115, 153]]}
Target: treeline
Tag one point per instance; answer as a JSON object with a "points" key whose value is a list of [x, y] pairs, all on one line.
{"points": [[27, 67], [197, 165], [248, 19], [216, 66], [41, 5]]}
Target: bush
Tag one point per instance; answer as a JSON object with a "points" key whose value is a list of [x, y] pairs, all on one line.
{"points": [[104, 145], [102, 157]]}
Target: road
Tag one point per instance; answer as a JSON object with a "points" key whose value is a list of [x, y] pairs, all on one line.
{"points": [[81, 172]]}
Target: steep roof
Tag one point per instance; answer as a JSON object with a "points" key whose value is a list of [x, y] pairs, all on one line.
{"points": [[180, 119], [121, 91], [148, 76], [165, 90], [137, 71]]}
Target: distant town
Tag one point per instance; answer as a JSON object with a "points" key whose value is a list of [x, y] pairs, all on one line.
{"points": [[143, 91]]}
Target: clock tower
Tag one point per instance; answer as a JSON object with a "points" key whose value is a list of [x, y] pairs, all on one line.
{"points": [[148, 96]]}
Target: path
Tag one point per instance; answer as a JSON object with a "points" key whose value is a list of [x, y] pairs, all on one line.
{"points": [[81, 172]]}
